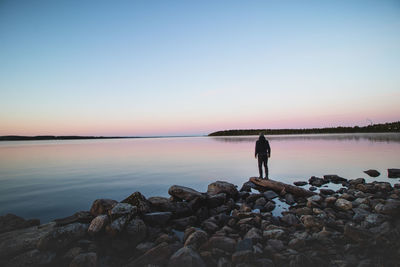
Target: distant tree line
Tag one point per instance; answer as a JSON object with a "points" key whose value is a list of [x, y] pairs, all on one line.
{"points": [[374, 128]]}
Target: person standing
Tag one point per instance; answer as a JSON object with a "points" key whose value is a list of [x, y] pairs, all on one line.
{"points": [[263, 151]]}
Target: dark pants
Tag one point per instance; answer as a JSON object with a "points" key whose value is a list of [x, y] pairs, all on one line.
{"points": [[263, 159]]}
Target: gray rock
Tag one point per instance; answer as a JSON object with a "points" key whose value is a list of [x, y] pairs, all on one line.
{"points": [[183, 223], [185, 193], [326, 191], [311, 222], [32, 258], [84, 260], [270, 206], [357, 181], [117, 226], [98, 224], [394, 173], [244, 256], [244, 244], [62, 237], [343, 204], [122, 209], [274, 234], [391, 207], [145, 246], [333, 178], [157, 218], [11, 222], [372, 173], [137, 231], [196, 239], [80, 216], [102, 206], [186, 256], [209, 226], [276, 244], [260, 202], [222, 187], [374, 219], [356, 234], [224, 243], [138, 200], [270, 194], [289, 199], [315, 181]]}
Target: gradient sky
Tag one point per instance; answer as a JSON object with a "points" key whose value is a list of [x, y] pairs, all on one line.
{"points": [[193, 67]]}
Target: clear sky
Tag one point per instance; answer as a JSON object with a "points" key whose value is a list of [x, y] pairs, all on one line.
{"points": [[193, 67]]}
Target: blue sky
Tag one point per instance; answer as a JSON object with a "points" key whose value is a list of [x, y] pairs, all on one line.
{"points": [[186, 67]]}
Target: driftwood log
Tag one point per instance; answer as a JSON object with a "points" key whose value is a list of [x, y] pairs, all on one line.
{"points": [[279, 187]]}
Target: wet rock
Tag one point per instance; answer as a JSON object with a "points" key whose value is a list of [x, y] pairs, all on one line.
{"points": [[276, 244], [270, 206], [157, 218], [313, 188], [333, 178], [102, 206], [326, 191], [289, 199], [357, 181], [311, 222], [270, 194], [374, 219], [300, 183], [136, 231], [84, 260], [214, 201], [117, 226], [274, 234], [32, 258], [10, 222], [145, 246], [80, 216], [297, 243], [222, 187], [186, 256], [343, 204], [394, 173], [372, 173], [391, 207], [254, 234], [224, 243], [138, 200], [185, 193], [122, 209], [260, 202], [157, 255], [247, 186], [196, 239], [98, 224], [318, 182], [72, 253], [209, 226], [304, 211], [161, 204], [61, 237]]}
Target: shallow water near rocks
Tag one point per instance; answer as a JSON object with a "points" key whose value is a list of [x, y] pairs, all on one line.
{"points": [[53, 179]]}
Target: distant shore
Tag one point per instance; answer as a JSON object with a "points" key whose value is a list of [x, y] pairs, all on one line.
{"points": [[374, 128], [73, 137]]}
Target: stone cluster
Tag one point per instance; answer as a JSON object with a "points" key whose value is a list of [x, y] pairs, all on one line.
{"points": [[358, 225]]}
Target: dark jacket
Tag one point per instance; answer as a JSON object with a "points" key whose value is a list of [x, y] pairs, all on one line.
{"points": [[262, 147]]}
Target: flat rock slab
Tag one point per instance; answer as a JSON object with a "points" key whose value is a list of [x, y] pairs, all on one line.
{"points": [[19, 241], [394, 173], [279, 187]]}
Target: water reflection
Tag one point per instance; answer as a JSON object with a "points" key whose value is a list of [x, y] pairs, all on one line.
{"points": [[372, 137]]}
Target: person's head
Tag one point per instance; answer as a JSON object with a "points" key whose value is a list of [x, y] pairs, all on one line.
{"points": [[262, 137]]}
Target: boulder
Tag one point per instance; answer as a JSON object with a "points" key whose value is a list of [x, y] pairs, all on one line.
{"points": [[244, 244], [186, 256], [300, 183], [290, 219], [102, 206], [270, 194], [224, 243], [357, 181], [326, 191], [343, 204], [10, 222], [311, 222], [391, 207], [185, 193], [333, 178], [32, 258], [394, 173], [356, 234], [138, 200], [84, 260], [98, 224], [196, 239], [183, 223], [254, 234], [136, 231], [372, 173], [247, 186], [315, 181], [222, 187], [209, 226], [242, 257], [214, 201], [117, 226], [122, 209], [274, 234], [157, 218], [161, 204], [62, 237]]}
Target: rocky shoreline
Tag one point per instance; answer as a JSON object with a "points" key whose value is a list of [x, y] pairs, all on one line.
{"points": [[357, 225]]}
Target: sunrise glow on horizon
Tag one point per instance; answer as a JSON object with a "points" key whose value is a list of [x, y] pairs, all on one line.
{"points": [[145, 68]]}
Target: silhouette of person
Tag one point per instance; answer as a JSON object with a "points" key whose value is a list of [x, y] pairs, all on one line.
{"points": [[263, 151]]}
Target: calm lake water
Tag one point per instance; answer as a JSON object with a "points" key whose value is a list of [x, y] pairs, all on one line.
{"points": [[53, 179]]}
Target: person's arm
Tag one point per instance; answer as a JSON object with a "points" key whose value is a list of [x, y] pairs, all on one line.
{"points": [[268, 149], [255, 151]]}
